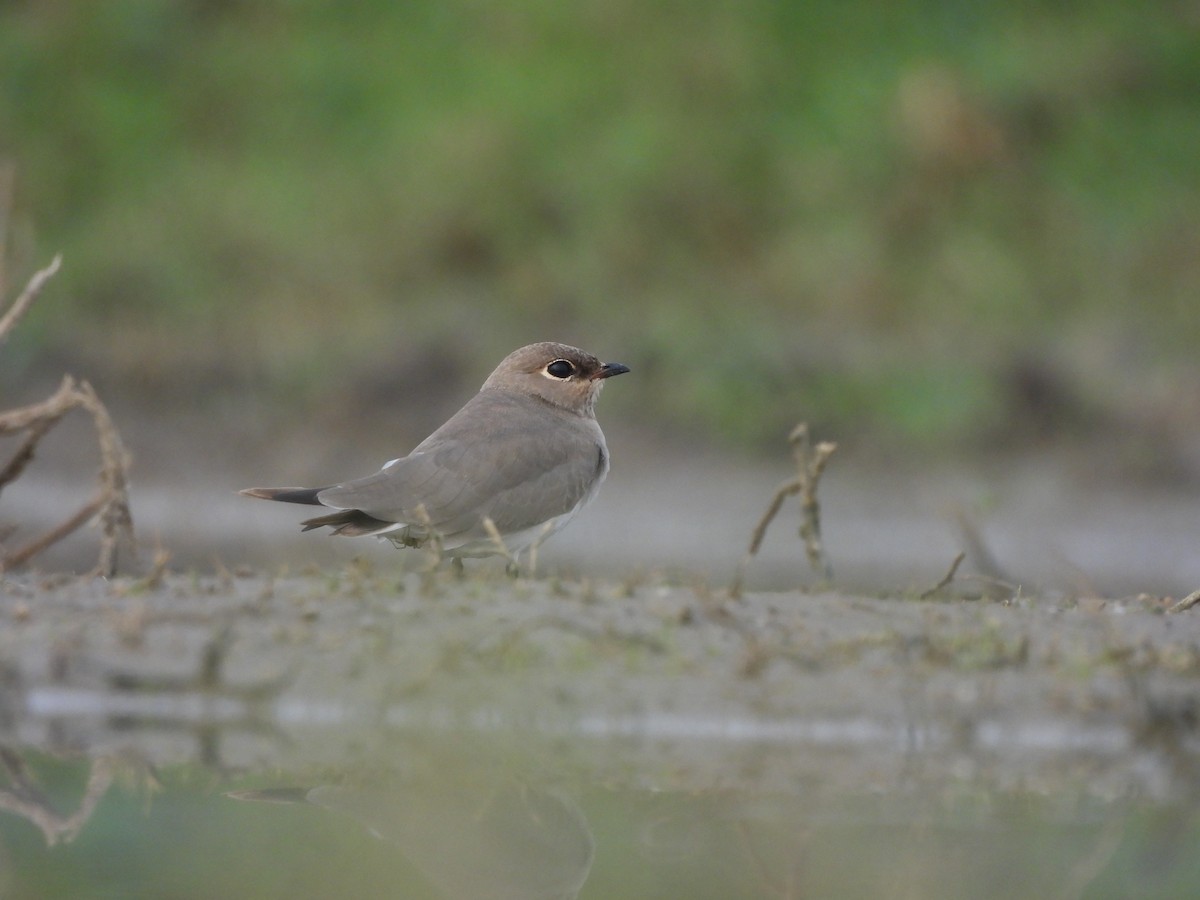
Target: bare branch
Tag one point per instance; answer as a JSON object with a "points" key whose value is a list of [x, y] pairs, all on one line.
{"points": [[26, 799], [433, 543], [112, 501], [811, 469], [22, 303], [53, 408], [947, 578], [115, 519], [16, 465], [1186, 603], [497, 539], [810, 466], [537, 542], [782, 492], [53, 536]]}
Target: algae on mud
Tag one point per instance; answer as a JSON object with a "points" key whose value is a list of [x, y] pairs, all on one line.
{"points": [[738, 741]]}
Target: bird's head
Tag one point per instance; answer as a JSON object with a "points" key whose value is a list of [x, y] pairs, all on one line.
{"points": [[557, 373]]}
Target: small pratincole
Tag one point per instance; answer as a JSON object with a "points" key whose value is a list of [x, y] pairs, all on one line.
{"points": [[506, 471]]}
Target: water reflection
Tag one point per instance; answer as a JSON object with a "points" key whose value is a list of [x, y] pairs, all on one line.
{"points": [[401, 745], [468, 836], [514, 816], [23, 796]]}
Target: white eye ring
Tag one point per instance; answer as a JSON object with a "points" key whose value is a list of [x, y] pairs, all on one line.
{"points": [[565, 369]]}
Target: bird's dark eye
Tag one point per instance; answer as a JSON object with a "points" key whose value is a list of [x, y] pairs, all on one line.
{"points": [[560, 368]]}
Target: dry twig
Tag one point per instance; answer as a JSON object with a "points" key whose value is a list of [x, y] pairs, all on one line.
{"points": [[26, 799], [810, 465], [996, 583], [112, 499], [21, 305], [497, 539], [433, 541], [536, 545], [947, 578], [1186, 603]]}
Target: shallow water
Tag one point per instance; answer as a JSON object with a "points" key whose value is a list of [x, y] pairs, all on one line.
{"points": [[469, 817], [1049, 524], [360, 736]]}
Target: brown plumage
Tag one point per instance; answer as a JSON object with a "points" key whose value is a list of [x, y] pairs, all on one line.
{"points": [[525, 452]]}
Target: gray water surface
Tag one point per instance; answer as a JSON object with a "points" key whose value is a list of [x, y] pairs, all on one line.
{"points": [[368, 734]]}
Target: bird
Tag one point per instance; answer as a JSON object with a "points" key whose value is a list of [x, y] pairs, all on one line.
{"points": [[513, 466]]}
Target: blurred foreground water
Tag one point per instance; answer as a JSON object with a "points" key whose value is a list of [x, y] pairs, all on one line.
{"points": [[369, 734]]}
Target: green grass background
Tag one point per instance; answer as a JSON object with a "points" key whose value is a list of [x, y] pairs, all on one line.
{"points": [[928, 223]]}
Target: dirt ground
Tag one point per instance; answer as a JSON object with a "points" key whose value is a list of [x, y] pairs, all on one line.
{"points": [[1054, 523], [630, 738], [1061, 662], [332, 660]]}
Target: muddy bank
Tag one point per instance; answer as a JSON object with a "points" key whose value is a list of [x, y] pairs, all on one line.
{"points": [[846, 684], [1047, 527], [1055, 521], [446, 737]]}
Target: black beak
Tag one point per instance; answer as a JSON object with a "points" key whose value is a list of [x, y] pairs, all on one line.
{"points": [[608, 370]]}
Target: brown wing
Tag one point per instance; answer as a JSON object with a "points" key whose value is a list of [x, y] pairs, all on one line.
{"points": [[511, 458]]}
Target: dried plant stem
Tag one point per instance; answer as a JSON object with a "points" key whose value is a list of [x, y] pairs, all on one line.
{"points": [[22, 303], [947, 578], [112, 501], [16, 465], [537, 543], [116, 521], [26, 799], [810, 466], [497, 539], [433, 544], [27, 552], [1186, 603]]}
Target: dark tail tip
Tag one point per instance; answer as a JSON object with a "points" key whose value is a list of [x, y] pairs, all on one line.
{"points": [[286, 495]]}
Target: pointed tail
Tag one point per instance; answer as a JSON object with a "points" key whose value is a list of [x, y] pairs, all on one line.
{"points": [[286, 495]]}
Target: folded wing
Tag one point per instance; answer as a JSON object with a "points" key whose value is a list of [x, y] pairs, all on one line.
{"points": [[458, 478]]}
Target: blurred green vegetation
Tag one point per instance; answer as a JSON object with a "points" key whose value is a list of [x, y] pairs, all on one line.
{"points": [[934, 222]]}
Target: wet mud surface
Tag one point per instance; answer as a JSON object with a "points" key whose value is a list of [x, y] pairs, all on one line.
{"points": [[616, 724], [1057, 523], [228, 735], [342, 658]]}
